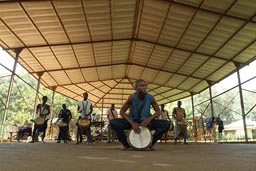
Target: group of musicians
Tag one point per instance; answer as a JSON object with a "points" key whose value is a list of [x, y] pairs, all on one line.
{"points": [[138, 115]]}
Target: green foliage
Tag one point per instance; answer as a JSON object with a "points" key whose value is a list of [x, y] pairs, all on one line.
{"points": [[227, 105], [22, 102]]}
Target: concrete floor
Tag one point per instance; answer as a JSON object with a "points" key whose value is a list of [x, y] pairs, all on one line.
{"points": [[100, 156]]}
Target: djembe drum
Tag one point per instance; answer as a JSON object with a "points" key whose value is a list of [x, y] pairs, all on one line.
{"points": [[39, 121], [182, 126], [60, 123], [140, 140], [54, 121], [84, 122]]}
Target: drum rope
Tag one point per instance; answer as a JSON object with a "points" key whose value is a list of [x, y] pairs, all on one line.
{"points": [[140, 140]]}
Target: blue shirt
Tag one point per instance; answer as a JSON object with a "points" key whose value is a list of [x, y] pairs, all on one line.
{"points": [[140, 108]]}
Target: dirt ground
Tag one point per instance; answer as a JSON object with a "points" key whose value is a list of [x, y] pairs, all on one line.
{"points": [[100, 156]]}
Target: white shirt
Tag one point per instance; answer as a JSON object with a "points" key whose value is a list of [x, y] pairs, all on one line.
{"points": [[84, 108], [43, 110]]}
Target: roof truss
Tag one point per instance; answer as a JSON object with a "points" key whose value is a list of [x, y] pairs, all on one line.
{"points": [[103, 46]]}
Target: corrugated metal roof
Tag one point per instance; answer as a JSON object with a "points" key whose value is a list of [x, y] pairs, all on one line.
{"points": [[103, 46]]}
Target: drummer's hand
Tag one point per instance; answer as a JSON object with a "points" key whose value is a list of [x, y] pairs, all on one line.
{"points": [[145, 122], [135, 127]]}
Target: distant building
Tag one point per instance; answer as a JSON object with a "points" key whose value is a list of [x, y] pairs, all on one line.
{"points": [[235, 130]]}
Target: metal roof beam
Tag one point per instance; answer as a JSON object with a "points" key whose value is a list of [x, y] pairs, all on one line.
{"points": [[55, 70], [115, 40], [211, 11]]}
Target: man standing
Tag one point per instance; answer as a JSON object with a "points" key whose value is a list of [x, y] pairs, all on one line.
{"points": [[84, 109], [139, 104], [64, 116], [111, 114], [220, 128], [164, 114], [179, 115], [42, 110]]}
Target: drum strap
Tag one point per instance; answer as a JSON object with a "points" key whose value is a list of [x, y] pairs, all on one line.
{"points": [[41, 111], [112, 113], [85, 112]]}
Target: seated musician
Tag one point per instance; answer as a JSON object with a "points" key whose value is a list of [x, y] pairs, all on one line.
{"points": [[84, 108], [42, 110], [139, 103], [179, 115], [24, 129]]}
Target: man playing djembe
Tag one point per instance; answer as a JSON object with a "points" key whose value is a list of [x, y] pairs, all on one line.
{"points": [[139, 104], [179, 115], [42, 111], [84, 108]]}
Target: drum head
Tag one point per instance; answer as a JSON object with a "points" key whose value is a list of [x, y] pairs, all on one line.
{"points": [[84, 122], [39, 120], [54, 120], [60, 123], [141, 140]]}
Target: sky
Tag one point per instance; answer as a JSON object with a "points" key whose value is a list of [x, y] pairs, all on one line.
{"points": [[246, 73], [7, 61]]}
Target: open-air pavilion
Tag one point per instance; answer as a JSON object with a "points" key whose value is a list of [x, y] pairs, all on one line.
{"points": [[179, 47]]}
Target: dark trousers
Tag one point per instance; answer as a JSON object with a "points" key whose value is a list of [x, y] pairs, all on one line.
{"points": [[120, 125], [23, 131], [63, 133], [79, 135], [39, 129]]}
